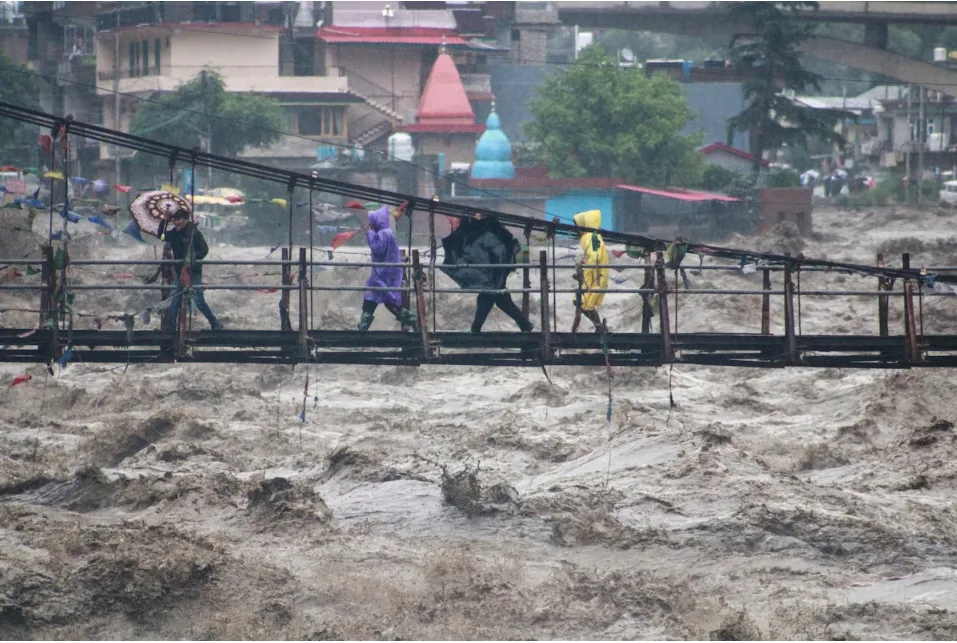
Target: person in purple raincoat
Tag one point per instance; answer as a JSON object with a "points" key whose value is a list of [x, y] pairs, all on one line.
{"points": [[385, 249]]}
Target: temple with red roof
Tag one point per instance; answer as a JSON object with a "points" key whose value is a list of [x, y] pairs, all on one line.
{"points": [[444, 121]]}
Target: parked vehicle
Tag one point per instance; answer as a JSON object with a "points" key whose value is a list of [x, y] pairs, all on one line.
{"points": [[948, 192]]}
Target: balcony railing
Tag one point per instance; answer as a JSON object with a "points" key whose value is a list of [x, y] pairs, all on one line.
{"points": [[204, 12], [477, 82]]}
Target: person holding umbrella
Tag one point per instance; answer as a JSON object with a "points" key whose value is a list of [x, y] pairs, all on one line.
{"points": [[189, 249], [483, 240], [167, 216]]}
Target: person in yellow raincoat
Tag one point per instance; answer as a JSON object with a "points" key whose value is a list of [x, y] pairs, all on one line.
{"points": [[591, 279]]}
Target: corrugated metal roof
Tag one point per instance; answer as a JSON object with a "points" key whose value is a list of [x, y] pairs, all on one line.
{"points": [[679, 194]]}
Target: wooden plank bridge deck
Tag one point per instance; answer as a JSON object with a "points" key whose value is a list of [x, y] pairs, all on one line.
{"points": [[483, 349]]}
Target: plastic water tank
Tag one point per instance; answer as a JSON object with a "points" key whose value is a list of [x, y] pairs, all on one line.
{"points": [[400, 147], [940, 54]]}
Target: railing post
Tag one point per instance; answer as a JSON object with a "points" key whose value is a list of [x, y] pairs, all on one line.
{"points": [[911, 353], [766, 302], [166, 280], [185, 281], [405, 283], [883, 301], [546, 316], [790, 340], [526, 272], [48, 307], [303, 306], [664, 322], [285, 323], [647, 312], [905, 263], [883, 308], [417, 277]]}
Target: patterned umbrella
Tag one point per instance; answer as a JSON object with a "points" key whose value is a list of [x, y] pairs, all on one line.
{"points": [[152, 210]]}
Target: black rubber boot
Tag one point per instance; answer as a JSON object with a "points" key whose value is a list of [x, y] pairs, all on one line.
{"points": [[365, 322]]}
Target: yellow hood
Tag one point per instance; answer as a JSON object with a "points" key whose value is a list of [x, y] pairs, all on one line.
{"points": [[589, 219]]}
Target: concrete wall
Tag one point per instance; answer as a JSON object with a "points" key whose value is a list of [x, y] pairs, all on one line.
{"points": [[248, 60], [381, 72], [531, 47], [244, 53], [729, 161], [13, 42], [901, 132], [714, 104], [458, 148]]}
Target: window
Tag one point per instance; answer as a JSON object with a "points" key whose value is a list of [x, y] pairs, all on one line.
{"points": [[156, 57], [146, 58], [134, 56], [321, 121]]}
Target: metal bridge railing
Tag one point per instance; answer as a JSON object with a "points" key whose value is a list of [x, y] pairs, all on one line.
{"points": [[655, 291]]}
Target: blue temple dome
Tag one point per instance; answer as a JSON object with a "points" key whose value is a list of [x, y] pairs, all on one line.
{"points": [[493, 152]]}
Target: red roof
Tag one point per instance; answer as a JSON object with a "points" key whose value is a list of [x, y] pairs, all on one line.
{"points": [[679, 194], [442, 128], [390, 36], [533, 182], [721, 147], [444, 106]]}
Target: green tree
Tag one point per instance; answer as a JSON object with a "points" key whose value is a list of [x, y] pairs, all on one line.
{"points": [[594, 119], [717, 178], [18, 86], [235, 121], [771, 59]]}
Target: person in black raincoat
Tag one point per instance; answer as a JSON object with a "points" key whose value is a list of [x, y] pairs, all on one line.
{"points": [[484, 241]]}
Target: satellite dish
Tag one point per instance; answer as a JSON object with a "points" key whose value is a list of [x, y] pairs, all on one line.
{"points": [[627, 55]]}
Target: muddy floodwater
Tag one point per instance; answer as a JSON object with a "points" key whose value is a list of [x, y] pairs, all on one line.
{"points": [[191, 501]]}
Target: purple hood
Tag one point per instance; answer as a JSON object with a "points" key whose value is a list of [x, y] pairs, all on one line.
{"points": [[379, 219]]}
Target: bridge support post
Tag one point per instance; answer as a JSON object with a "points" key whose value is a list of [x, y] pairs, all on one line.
{"points": [[284, 321], [883, 306], [303, 307], [405, 283], [905, 263], [48, 305], [664, 322], [790, 341], [911, 353], [766, 310], [883, 301], [545, 312], [875, 35], [647, 312], [526, 272], [766, 302], [417, 277]]}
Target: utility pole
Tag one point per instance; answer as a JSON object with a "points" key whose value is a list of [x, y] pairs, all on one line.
{"points": [[116, 94], [922, 138], [910, 142]]}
